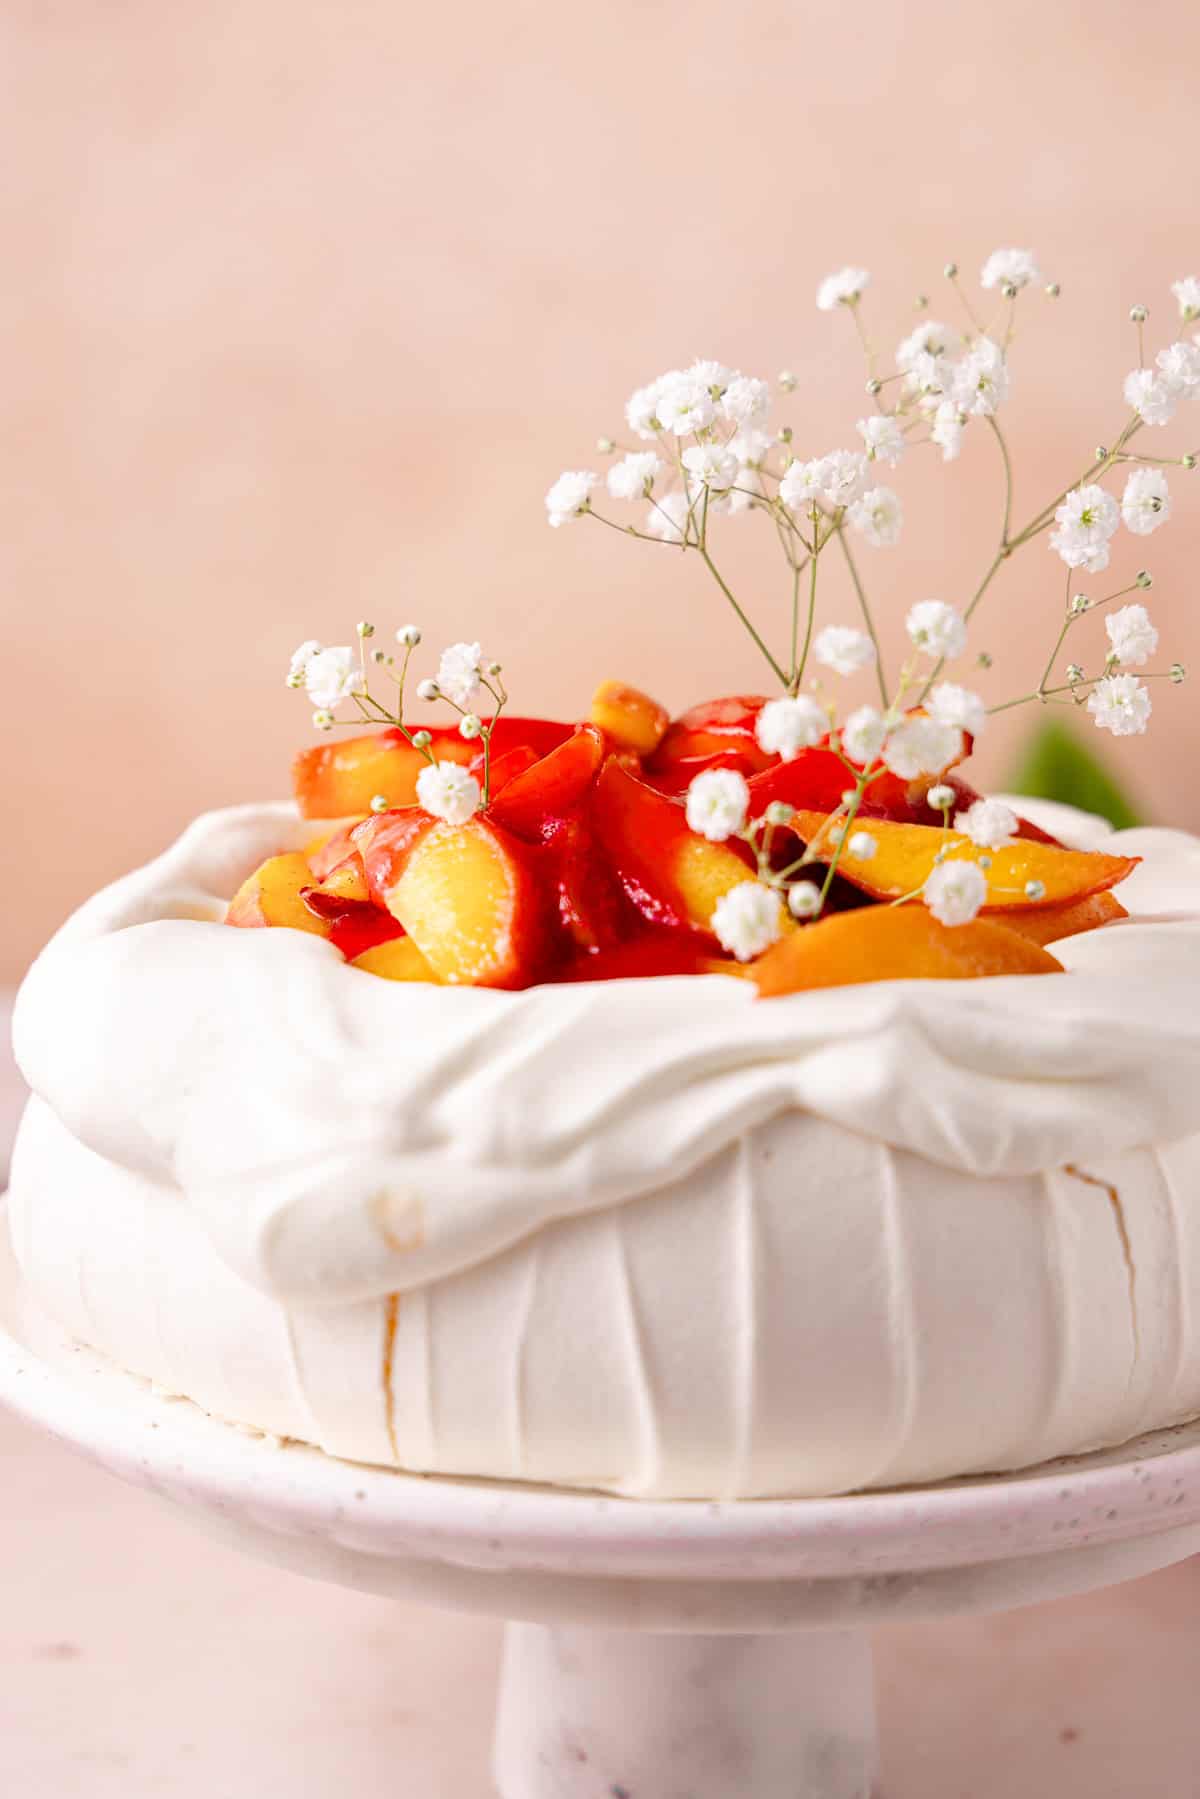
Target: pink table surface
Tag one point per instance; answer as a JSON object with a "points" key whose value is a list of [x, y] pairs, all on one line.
{"points": [[138, 1659]]}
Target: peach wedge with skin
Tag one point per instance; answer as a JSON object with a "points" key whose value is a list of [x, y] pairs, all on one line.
{"points": [[673, 876], [272, 896], [1048, 924], [629, 718], [398, 960], [906, 855], [894, 943], [471, 899]]}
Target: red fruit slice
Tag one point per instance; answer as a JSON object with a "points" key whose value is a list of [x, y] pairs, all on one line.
{"points": [[536, 802]]}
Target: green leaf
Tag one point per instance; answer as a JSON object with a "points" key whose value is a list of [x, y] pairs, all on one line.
{"points": [[1055, 766]]}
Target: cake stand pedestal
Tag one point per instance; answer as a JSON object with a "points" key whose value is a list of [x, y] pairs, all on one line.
{"points": [[659, 1650]]}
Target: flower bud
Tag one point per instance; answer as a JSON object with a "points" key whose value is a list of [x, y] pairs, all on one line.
{"points": [[428, 690], [421, 740], [1079, 603], [804, 899], [1144, 578], [784, 434], [469, 726], [605, 446], [920, 303], [1009, 290], [1035, 890], [323, 720], [1139, 314], [941, 797], [364, 629], [379, 802], [780, 813], [1178, 673], [874, 386], [408, 636], [1188, 461], [787, 381], [950, 271], [1053, 289]]}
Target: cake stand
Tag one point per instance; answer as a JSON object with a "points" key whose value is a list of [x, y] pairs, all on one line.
{"points": [[653, 1650]]}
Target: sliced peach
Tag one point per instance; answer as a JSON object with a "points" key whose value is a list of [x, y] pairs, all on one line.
{"points": [[672, 876], [272, 895], [472, 900], [346, 881], [592, 907], [1046, 924], [397, 960], [335, 779], [536, 802], [905, 855], [384, 841], [505, 768], [629, 718], [716, 728], [329, 852], [894, 943]]}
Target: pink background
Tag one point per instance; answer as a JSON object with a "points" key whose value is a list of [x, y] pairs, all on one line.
{"points": [[304, 306]]}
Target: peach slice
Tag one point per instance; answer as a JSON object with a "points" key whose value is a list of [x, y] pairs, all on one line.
{"points": [[717, 728], [505, 768], [332, 780], [469, 896], [894, 943], [629, 718], [652, 955], [272, 895], [536, 802], [906, 855], [672, 876], [397, 960], [1046, 924], [592, 907]]}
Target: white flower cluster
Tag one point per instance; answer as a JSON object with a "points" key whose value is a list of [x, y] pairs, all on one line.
{"points": [[466, 680]]}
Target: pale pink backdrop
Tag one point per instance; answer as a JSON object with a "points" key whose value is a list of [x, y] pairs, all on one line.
{"points": [[303, 306]]}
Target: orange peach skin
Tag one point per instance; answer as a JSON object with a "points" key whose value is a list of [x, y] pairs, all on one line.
{"points": [[1047, 924], [470, 897], [906, 855], [894, 943], [629, 718], [333, 780], [673, 876], [536, 802], [271, 896]]}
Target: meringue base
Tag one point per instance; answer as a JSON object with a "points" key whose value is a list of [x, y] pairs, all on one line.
{"points": [[894, 1322]]}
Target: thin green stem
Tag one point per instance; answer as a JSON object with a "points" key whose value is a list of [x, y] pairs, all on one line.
{"points": [[715, 572], [865, 609]]}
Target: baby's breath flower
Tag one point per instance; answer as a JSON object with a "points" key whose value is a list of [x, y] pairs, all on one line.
{"points": [[883, 437], [988, 823], [931, 338], [842, 476], [323, 720], [641, 413], [804, 899], [380, 802], [448, 791], [955, 891], [748, 920], [428, 690], [422, 740], [787, 381], [469, 726], [332, 676], [785, 727], [780, 813], [843, 649], [937, 629], [1010, 268], [408, 636], [863, 735], [301, 658], [717, 803], [952, 705], [843, 288], [634, 475], [685, 404], [1120, 704], [878, 516], [667, 518], [922, 746], [748, 486], [365, 628], [460, 675], [712, 466], [1086, 520], [1179, 365], [802, 484], [949, 422], [1132, 636], [750, 445], [1152, 394], [862, 845], [941, 797], [981, 379], [1035, 890], [745, 399], [713, 375], [1187, 292], [570, 496]]}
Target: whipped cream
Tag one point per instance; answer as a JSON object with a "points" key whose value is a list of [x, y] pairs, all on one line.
{"points": [[564, 1186]]}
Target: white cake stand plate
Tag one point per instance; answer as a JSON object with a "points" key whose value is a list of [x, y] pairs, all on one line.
{"points": [[659, 1651]]}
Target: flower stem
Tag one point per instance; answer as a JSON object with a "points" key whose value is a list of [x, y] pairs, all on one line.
{"points": [[865, 609], [715, 572]]}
